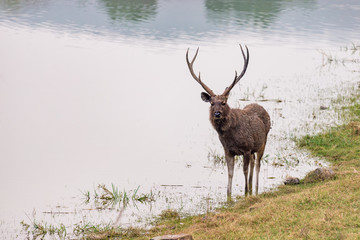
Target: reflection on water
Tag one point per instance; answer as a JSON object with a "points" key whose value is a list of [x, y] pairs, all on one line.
{"points": [[99, 92], [260, 13], [130, 11], [187, 19]]}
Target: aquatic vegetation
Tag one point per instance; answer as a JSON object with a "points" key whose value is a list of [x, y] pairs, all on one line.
{"points": [[81, 230], [103, 198], [216, 158], [331, 58], [91, 231], [37, 229], [354, 48]]}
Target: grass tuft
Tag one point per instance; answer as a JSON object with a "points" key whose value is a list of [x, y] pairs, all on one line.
{"points": [[105, 198], [169, 214], [89, 231], [38, 230]]}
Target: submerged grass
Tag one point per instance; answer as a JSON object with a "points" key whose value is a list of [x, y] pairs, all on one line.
{"points": [[102, 197], [38, 230], [90, 231]]}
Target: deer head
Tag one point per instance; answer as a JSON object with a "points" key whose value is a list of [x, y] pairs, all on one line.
{"points": [[219, 107]]}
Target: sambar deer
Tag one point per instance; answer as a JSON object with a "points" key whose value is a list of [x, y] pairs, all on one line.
{"points": [[241, 131]]}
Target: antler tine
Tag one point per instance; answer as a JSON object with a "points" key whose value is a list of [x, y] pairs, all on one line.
{"points": [[197, 78], [237, 78]]}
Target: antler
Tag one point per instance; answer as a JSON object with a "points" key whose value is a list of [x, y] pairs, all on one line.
{"points": [[197, 78], [237, 78]]}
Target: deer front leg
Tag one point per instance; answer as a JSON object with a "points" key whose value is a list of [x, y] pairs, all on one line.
{"points": [[247, 159], [259, 155], [230, 165], [252, 165], [258, 164]]}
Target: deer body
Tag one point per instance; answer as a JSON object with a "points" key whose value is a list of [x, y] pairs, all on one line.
{"points": [[241, 131]]}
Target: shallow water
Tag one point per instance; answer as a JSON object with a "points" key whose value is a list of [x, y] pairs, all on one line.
{"points": [[96, 92]]}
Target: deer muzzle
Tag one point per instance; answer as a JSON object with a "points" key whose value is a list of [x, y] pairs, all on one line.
{"points": [[217, 115]]}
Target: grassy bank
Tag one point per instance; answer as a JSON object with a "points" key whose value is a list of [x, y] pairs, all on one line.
{"points": [[322, 210]]}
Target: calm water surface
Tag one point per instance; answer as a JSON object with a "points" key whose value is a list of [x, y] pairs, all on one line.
{"points": [[98, 92]]}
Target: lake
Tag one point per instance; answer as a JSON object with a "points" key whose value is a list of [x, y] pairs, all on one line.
{"points": [[98, 92]]}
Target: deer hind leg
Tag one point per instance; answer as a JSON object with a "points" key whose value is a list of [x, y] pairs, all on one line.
{"points": [[259, 155], [247, 160], [252, 165], [230, 165]]}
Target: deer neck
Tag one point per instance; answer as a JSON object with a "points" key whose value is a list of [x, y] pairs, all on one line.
{"points": [[228, 121], [221, 125]]}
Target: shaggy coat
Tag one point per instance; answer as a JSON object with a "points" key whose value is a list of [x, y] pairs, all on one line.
{"points": [[242, 130]]}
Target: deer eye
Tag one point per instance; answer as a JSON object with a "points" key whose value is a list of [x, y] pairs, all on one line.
{"points": [[223, 103], [212, 104]]}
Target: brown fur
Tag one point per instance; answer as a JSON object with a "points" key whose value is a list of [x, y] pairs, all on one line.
{"points": [[241, 132]]}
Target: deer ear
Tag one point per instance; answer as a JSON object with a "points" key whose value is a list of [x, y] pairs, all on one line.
{"points": [[205, 97]]}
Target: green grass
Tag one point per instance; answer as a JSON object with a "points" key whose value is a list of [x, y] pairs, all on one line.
{"points": [[102, 197], [39, 230], [90, 231], [339, 145]]}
